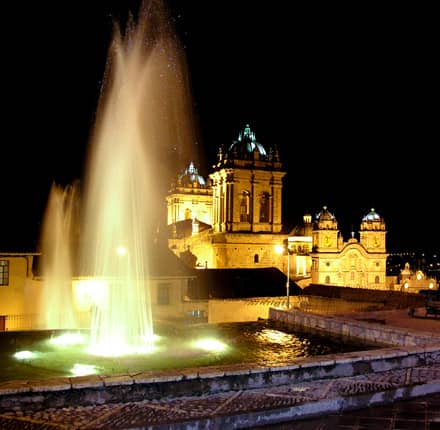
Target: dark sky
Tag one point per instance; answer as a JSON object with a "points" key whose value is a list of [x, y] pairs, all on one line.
{"points": [[348, 93]]}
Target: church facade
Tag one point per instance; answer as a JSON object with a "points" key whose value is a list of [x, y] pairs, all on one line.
{"points": [[234, 220], [355, 263], [245, 219]]}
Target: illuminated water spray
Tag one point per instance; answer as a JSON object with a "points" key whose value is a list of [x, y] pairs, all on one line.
{"points": [[143, 123], [56, 243]]}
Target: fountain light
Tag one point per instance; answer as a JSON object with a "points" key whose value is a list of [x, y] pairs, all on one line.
{"points": [[67, 339], [121, 250], [24, 355], [119, 347], [84, 369], [210, 344]]}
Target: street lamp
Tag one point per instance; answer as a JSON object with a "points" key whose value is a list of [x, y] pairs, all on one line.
{"points": [[279, 249]]}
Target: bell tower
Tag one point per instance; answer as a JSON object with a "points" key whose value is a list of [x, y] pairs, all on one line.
{"points": [[325, 232], [372, 232], [247, 187]]}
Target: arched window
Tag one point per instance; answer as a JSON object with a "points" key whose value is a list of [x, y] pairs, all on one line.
{"points": [[244, 207], [256, 258], [376, 279], [327, 279], [264, 207]]}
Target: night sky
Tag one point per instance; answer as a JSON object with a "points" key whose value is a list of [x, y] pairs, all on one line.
{"points": [[349, 94]]}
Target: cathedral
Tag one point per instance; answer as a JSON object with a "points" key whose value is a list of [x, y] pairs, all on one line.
{"points": [[356, 264], [233, 220]]}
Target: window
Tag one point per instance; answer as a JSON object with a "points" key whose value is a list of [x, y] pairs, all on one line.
{"points": [[264, 207], [4, 272], [256, 258], [244, 207], [376, 279], [163, 294], [327, 280]]}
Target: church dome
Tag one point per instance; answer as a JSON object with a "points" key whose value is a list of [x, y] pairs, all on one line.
{"points": [[372, 221], [372, 216], [190, 177], [324, 215], [246, 145], [325, 220]]}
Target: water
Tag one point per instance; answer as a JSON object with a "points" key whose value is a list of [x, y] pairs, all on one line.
{"points": [[142, 119], [56, 307], [261, 342], [143, 130]]}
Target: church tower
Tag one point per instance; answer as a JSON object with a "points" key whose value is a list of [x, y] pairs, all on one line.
{"points": [[189, 198], [372, 233], [247, 187], [246, 226], [355, 264], [325, 232]]}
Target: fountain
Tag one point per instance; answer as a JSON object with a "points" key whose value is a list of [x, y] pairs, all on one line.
{"points": [[56, 308], [143, 128]]}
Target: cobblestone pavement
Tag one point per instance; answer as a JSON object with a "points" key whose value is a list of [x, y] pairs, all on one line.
{"points": [[422, 413]]}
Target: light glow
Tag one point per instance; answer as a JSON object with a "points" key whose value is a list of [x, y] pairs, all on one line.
{"points": [[275, 336], [24, 355], [67, 339], [210, 344], [279, 249], [84, 369], [121, 250], [90, 292], [119, 347]]}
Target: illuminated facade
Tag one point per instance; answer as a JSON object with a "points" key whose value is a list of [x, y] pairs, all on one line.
{"points": [[244, 224], [19, 290], [356, 264], [413, 281], [300, 247], [246, 184], [190, 198]]}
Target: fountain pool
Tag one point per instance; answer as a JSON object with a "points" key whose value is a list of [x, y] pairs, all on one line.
{"points": [[37, 355]]}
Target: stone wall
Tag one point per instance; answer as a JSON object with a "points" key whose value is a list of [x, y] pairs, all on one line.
{"points": [[386, 299], [240, 310], [368, 332]]}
